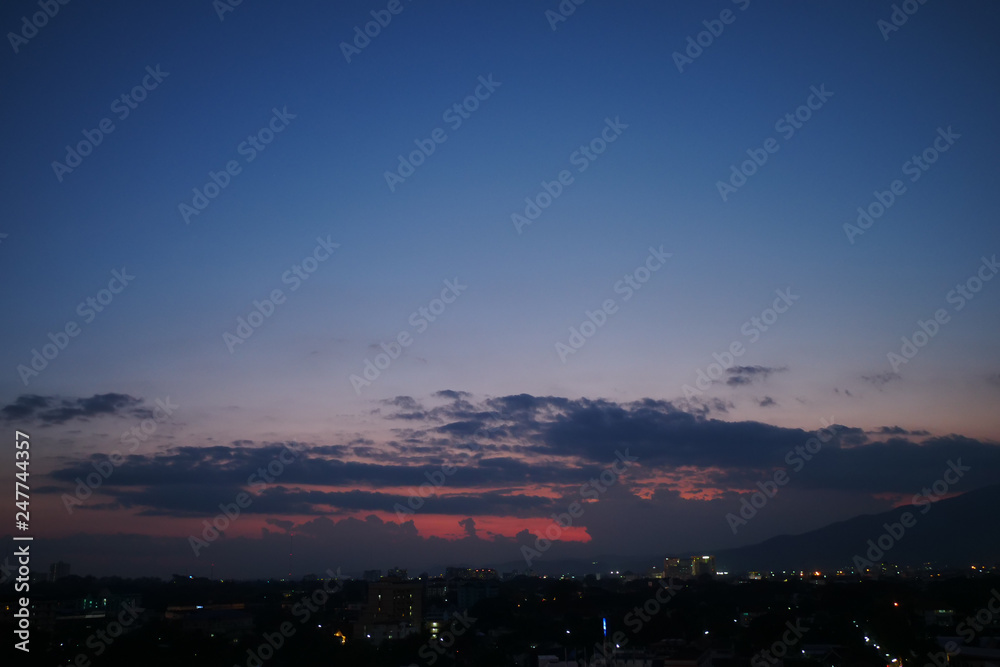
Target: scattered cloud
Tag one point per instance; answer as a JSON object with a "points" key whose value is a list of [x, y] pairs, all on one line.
{"points": [[898, 430], [744, 375], [879, 380], [48, 410], [469, 525]]}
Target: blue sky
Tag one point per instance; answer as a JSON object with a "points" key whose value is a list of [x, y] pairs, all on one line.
{"points": [[656, 185]]}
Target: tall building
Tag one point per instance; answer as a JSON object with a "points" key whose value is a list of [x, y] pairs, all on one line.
{"points": [[395, 609], [676, 568], [688, 567], [58, 570], [703, 565]]}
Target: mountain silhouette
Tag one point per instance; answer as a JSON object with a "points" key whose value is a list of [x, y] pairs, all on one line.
{"points": [[955, 531]]}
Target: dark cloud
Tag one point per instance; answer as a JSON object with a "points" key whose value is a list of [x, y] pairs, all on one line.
{"points": [[402, 402], [449, 393], [879, 380], [532, 441], [283, 524], [766, 402], [416, 416], [227, 467], [189, 500], [54, 410], [898, 430], [24, 406], [595, 430], [704, 407], [744, 375]]}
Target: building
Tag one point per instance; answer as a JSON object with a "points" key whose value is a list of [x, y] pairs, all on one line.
{"points": [[481, 574], [703, 565], [688, 567], [395, 609], [58, 570], [676, 568], [471, 592]]}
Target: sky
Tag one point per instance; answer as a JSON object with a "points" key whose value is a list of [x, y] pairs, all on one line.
{"points": [[508, 247]]}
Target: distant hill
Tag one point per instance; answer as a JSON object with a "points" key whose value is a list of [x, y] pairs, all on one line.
{"points": [[957, 531]]}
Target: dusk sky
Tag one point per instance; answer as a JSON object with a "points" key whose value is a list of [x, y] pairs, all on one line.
{"points": [[608, 210]]}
